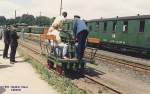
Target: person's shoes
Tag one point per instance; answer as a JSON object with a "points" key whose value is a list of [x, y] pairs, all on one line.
{"points": [[11, 62], [5, 57], [65, 57]]}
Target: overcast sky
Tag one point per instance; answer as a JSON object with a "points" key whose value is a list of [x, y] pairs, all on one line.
{"points": [[88, 9]]}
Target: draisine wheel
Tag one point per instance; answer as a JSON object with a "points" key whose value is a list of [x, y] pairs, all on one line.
{"points": [[59, 69]]}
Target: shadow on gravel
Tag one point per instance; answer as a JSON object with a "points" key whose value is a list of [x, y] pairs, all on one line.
{"points": [[93, 72], [80, 74], [2, 90], [4, 66]]}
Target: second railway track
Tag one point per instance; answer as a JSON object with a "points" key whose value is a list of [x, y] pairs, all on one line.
{"points": [[113, 60]]}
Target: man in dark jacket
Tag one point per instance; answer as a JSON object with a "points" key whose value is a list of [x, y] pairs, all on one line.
{"points": [[1, 33], [6, 41], [80, 33], [13, 44]]}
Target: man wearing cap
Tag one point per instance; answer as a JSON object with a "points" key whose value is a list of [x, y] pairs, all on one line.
{"points": [[80, 33]]}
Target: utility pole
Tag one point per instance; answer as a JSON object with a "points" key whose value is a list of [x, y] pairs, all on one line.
{"points": [[60, 8], [15, 16]]}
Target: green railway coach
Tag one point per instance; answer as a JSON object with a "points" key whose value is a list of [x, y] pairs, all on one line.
{"points": [[122, 33]]}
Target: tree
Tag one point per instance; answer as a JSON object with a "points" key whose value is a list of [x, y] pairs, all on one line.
{"points": [[2, 20], [43, 21], [10, 21], [28, 19], [18, 19]]}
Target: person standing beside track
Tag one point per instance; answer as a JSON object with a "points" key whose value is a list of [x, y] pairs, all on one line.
{"points": [[80, 33], [13, 44], [1, 33], [6, 41]]}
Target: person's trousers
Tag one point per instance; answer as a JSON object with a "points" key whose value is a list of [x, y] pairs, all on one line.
{"points": [[81, 38], [5, 52], [64, 48], [13, 52]]}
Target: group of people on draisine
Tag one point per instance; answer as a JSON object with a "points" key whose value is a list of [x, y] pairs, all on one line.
{"points": [[79, 29], [80, 34]]}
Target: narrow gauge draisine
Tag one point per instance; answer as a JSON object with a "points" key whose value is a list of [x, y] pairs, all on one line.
{"points": [[54, 53]]}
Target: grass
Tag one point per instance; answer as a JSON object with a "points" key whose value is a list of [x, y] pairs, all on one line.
{"points": [[62, 84]]}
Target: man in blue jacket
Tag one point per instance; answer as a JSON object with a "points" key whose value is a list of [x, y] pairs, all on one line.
{"points": [[80, 33]]}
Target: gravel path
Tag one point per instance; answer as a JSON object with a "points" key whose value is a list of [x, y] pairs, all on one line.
{"points": [[21, 78]]}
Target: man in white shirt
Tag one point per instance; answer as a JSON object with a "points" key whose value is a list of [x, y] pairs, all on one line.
{"points": [[53, 30], [58, 22]]}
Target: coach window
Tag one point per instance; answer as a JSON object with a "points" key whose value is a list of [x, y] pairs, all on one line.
{"points": [[114, 26], [90, 27], [105, 26], [142, 26], [97, 26], [125, 26]]}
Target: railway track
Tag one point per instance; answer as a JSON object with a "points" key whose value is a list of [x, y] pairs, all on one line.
{"points": [[134, 65], [112, 60], [95, 80]]}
